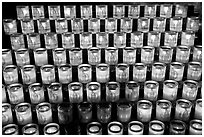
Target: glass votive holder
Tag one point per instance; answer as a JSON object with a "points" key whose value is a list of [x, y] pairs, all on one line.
{"points": [[102, 73], [159, 24], [94, 55], [85, 112], [68, 40], [177, 127], [194, 70], [40, 56], [22, 12], [112, 91], [122, 72], [150, 10], [30, 129], [154, 38], [126, 25], [36, 92], [4, 91], [7, 116], [193, 24], [22, 57], [23, 113], [115, 128], [10, 26], [147, 54], [15, 93], [10, 129], [69, 11], [198, 109], [135, 128], [165, 54], [75, 56], [33, 40], [86, 11], [183, 110], [156, 127], [37, 12], [61, 25], [59, 56], [133, 11], [51, 129], [158, 71], [55, 93], [118, 11], [120, 40], [195, 127], [143, 24], [170, 38], [139, 72], [151, 89], [176, 24], [27, 26], [10, 74], [44, 113], [28, 74], [190, 90], [124, 111], [85, 40], [197, 53], [84, 73], [183, 54], [43, 26], [75, 92], [137, 39], [17, 41], [94, 25], [111, 55], [181, 10], [170, 88], [163, 110], [111, 25], [54, 12], [47, 74], [65, 113], [104, 112], [51, 41], [93, 90], [6, 57], [102, 40], [94, 128], [166, 10], [176, 71], [129, 55], [144, 110], [65, 73], [77, 25], [101, 11], [187, 38]]}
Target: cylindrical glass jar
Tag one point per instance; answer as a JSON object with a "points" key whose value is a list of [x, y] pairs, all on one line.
{"points": [[94, 128], [176, 71], [124, 111], [55, 93], [144, 110], [156, 127], [30, 129], [47, 74], [93, 92], [104, 112], [112, 91], [132, 90], [65, 113], [190, 90], [115, 128], [36, 92], [51, 129], [15, 93], [151, 89], [85, 112], [102, 73], [75, 92], [170, 88], [135, 128], [163, 110]]}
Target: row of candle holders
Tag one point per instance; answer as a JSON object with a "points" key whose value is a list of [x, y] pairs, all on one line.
{"points": [[101, 11], [24, 114]]}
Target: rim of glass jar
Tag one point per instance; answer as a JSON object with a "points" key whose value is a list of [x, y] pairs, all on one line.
{"points": [[195, 63], [43, 104], [85, 6], [67, 66], [13, 67], [176, 18], [77, 20], [5, 51], [101, 34], [198, 101], [94, 124], [164, 101], [188, 32], [16, 35], [31, 86], [86, 34], [146, 102], [181, 123], [37, 6], [115, 123], [151, 82], [93, 83], [111, 20], [86, 105], [22, 6], [28, 105], [69, 6], [66, 105], [193, 18], [157, 122], [8, 20], [58, 50], [129, 106], [154, 33], [160, 18], [102, 65], [28, 67], [198, 46], [76, 49], [196, 121], [144, 18], [122, 65], [50, 34], [129, 49], [120, 34], [51, 125], [191, 81], [166, 48], [177, 63], [68, 34], [7, 105], [40, 50], [137, 33], [172, 82], [130, 124], [54, 84], [184, 101], [54, 6], [132, 82], [75, 84], [30, 125], [43, 20], [113, 83], [111, 49], [60, 19], [27, 20], [94, 20], [21, 51], [106, 105], [140, 64], [94, 49], [160, 64], [10, 126], [84, 65], [33, 34], [19, 85], [148, 48], [47, 66], [171, 32]]}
